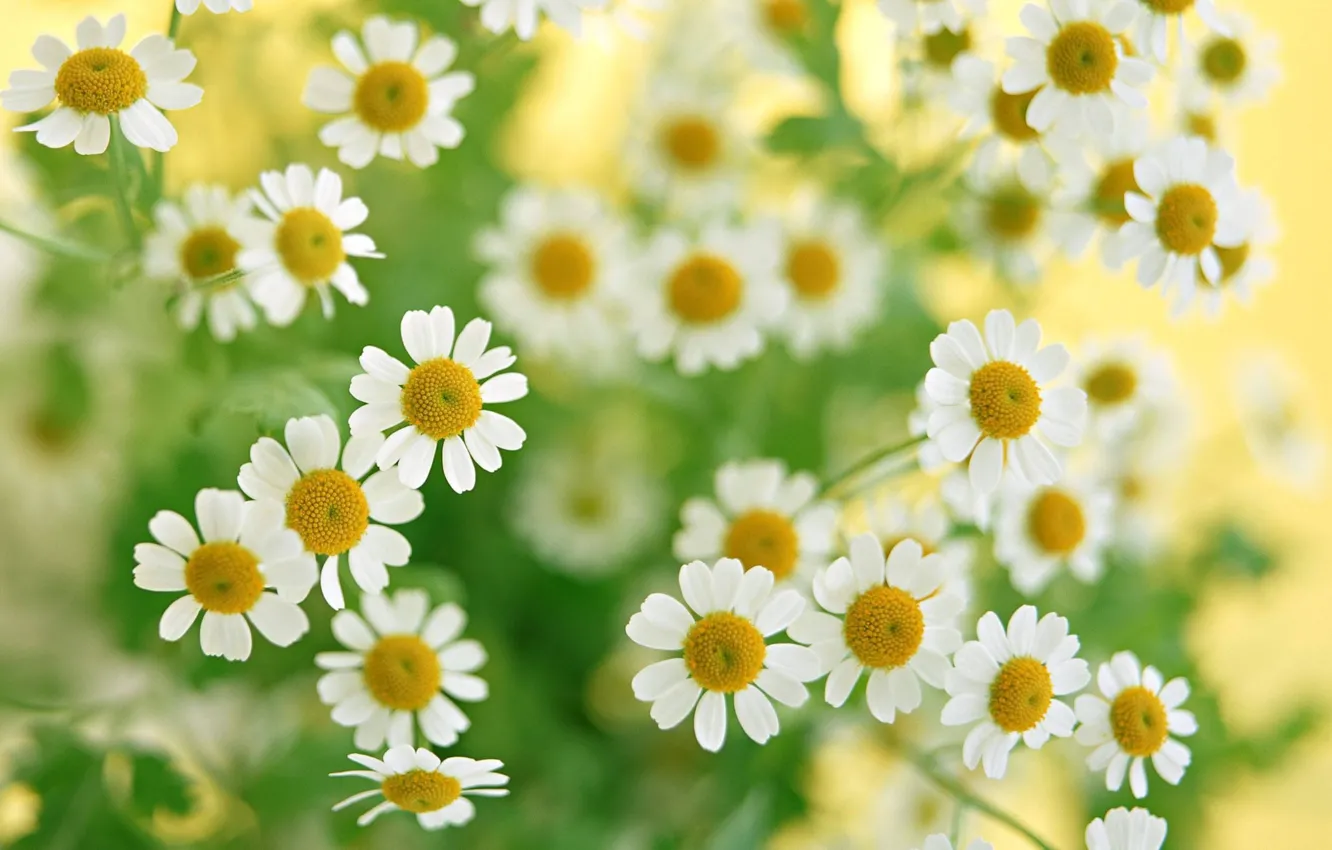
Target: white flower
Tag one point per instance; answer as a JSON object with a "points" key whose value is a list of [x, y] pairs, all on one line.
{"points": [[397, 102], [401, 664], [99, 82], [892, 520], [723, 652], [1275, 419], [907, 806], [523, 15], [1005, 222], [964, 503], [1076, 60], [1006, 685], [931, 15], [244, 550], [1239, 65], [994, 405], [304, 245], [417, 781], [1043, 529], [887, 616], [441, 400], [1125, 381], [1151, 25], [330, 508], [1126, 830], [759, 32], [1245, 267], [942, 842], [1135, 721], [1095, 175], [217, 7], [918, 421], [999, 119]]}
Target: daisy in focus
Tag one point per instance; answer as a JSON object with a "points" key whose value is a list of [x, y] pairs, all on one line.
{"points": [[1155, 18], [522, 16], [1005, 222], [723, 652], [1095, 176], [1125, 380], [999, 119], [1045, 529], [100, 82], [1122, 829], [1244, 268], [217, 7], [931, 16], [1240, 66], [417, 781]]}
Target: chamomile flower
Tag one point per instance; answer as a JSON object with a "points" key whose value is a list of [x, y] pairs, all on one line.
{"points": [[1095, 175], [1122, 829], [244, 550], [999, 119], [1151, 25], [394, 96], [522, 16], [1134, 720], [99, 82], [1006, 685], [931, 16], [1006, 223], [417, 781], [1124, 379], [330, 508], [303, 245], [441, 400], [887, 616], [403, 664], [1276, 422], [1244, 268], [1042, 530], [892, 520], [994, 405], [217, 7], [762, 517], [1240, 65], [724, 651]]}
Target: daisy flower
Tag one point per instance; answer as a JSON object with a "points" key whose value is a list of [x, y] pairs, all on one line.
{"points": [[1095, 174], [1240, 65], [417, 781], [303, 245], [886, 616], [725, 651], [1005, 222], [1276, 421], [193, 242], [395, 103], [217, 7], [99, 82], [1135, 721], [931, 15], [994, 403], [999, 119], [1044, 529], [1153, 19], [1076, 60], [403, 659], [522, 16], [1244, 268], [332, 509], [1006, 685], [1125, 380], [906, 807], [892, 520], [441, 399], [245, 549], [1126, 830], [762, 517]]}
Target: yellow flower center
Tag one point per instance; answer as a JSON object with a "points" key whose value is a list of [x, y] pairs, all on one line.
{"points": [[1200, 124], [441, 398], [1005, 401], [588, 506], [1224, 61], [1233, 260], [1186, 219], [762, 538], [1012, 213], [1138, 720], [391, 97], [943, 47], [1020, 694], [884, 627], [724, 652], [1168, 7], [705, 289], [562, 266], [224, 577], [102, 80], [890, 543], [1111, 384], [813, 269], [786, 17], [1082, 58], [1056, 522], [402, 673], [208, 252], [309, 244], [420, 791], [692, 143], [1117, 180], [1009, 112], [328, 509]]}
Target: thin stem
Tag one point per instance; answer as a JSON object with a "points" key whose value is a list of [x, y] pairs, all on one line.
{"points": [[173, 28], [124, 209], [159, 158], [955, 829], [871, 460], [57, 246], [955, 789]]}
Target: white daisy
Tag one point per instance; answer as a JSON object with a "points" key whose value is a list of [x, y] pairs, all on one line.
{"points": [[417, 781], [1153, 18], [887, 616], [942, 842], [994, 405], [1005, 222], [1125, 380], [1240, 66], [892, 519], [931, 59], [1077, 62], [964, 504], [763, 517], [99, 82], [441, 399], [1126, 830], [1245, 267], [931, 15], [522, 16], [244, 550], [397, 102], [1134, 722], [1044, 529], [907, 807], [217, 7], [1196, 112], [304, 244], [1275, 418], [1006, 685], [999, 119], [1095, 175], [724, 652], [332, 509], [401, 664]]}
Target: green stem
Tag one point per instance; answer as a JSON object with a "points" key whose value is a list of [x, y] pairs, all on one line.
{"points": [[958, 792], [870, 460], [955, 829], [124, 209], [173, 28], [57, 246], [159, 158]]}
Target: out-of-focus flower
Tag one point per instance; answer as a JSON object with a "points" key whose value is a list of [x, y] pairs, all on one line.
{"points": [[522, 16], [1005, 222], [217, 7], [1280, 432], [1237, 63], [1122, 829], [931, 16], [999, 120], [1123, 379], [1043, 529], [942, 842], [1151, 25], [1095, 175], [417, 781], [892, 520], [21, 263], [1245, 267]]}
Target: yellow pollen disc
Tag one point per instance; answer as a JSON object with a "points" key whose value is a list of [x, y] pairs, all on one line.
{"points": [[421, 791], [1009, 112], [1168, 7], [945, 45], [762, 538], [891, 543], [441, 398], [704, 289], [692, 143], [1056, 522], [1233, 260], [1005, 401], [785, 16], [724, 652], [813, 269], [1012, 213], [562, 266], [1224, 61], [102, 80], [884, 627], [328, 509], [1020, 694], [1082, 58], [1117, 180], [1131, 488], [1201, 124], [391, 97], [1111, 384], [1186, 219], [208, 252], [224, 577], [589, 507], [1138, 720], [309, 244], [402, 673]]}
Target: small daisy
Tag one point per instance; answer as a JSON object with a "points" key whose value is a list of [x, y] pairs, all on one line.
{"points": [[931, 15], [194, 242], [397, 102], [1095, 175], [330, 508], [930, 60], [1124, 380], [1005, 222], [1274, 415], [441, 399], [762, 517], [1006, 685], [1126, 830], [994, 405], [217, 7], [402, 663], [724, 652], [522, 16], [1077, 62], [1239, 66], [1043, 529], [1135, 721], [304, 244], [99, 82], [1244, 268], [892, 520], [906, 807], [999, 119], [887, 616], [417, 781], [1151, 25], [244, 550]]}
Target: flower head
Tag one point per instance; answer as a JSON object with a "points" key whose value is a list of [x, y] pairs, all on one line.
{"points": [[1237, 63], [417, 781], [1122, 829], [1153, 19], [1044, 529]]}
